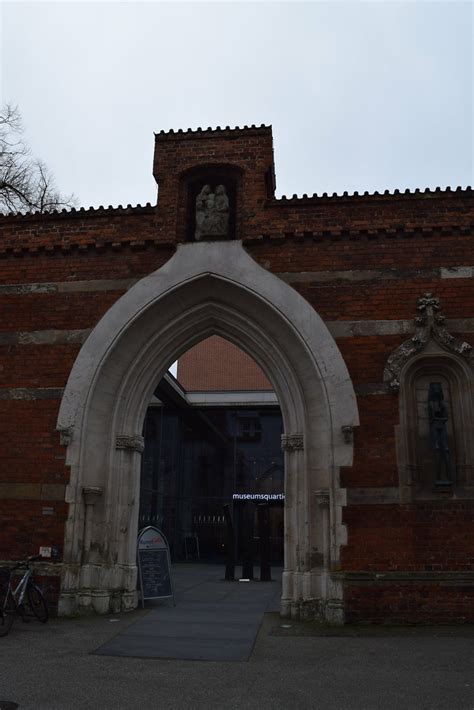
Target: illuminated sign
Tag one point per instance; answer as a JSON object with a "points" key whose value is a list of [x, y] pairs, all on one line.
{"points": [[258, 496]]}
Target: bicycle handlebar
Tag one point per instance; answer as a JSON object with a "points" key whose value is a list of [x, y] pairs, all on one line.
{"points": [[25, 562]]}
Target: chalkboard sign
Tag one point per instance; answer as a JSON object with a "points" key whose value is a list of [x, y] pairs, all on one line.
{"points": [[154, 566]]}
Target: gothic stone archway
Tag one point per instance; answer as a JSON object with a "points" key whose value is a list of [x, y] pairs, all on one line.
{"points": [[205, 288]]}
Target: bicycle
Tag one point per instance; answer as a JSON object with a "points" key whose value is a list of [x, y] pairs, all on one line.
{"points": [[25, 595]]}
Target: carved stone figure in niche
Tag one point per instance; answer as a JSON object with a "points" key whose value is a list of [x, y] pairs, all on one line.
{"points": [[438, 415], [201, 209], [212, 213]]}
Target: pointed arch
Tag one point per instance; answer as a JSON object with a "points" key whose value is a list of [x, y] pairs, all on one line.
{"points": [[204, 289]]}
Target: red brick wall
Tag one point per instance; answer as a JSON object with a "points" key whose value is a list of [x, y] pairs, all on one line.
{"points": [[429, 536], [249, 152], [406, 602], [361, 258], [216, 365]]}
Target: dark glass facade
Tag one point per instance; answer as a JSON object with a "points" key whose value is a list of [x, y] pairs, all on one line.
{"points": [[196, 460]]}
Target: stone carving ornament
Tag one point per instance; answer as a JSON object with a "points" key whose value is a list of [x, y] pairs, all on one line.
{"points": [[65, 434], [322, 497], [212, 213], [292, 442], [429, 324], [130, 443]]}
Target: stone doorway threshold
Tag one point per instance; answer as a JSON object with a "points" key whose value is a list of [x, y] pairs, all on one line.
{"points": [[213, 620]]}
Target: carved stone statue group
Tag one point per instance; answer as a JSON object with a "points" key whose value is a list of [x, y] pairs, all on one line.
{"points": [[212, 213]]}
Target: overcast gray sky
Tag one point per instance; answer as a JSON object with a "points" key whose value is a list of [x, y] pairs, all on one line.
{"points": [[361, 95]]}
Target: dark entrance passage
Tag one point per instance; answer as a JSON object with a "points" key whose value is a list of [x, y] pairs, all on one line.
{"points": [[198, 459]]}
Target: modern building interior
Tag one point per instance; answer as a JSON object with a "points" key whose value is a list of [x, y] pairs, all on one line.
{"points": [[213, 438]]}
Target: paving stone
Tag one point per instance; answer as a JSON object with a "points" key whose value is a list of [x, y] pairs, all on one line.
{"points": [[212, 620]]}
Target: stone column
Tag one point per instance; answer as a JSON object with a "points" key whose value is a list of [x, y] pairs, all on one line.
{"points": [[92, 495], [130, 449], [322, 500], [334, 535], [292, 445]]}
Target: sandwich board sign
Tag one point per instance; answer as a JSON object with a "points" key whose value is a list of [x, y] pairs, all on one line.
{"points": [[154, 565]]}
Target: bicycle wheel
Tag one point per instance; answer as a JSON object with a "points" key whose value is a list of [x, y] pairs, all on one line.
{"points": [[7, 609], [37, 603]]}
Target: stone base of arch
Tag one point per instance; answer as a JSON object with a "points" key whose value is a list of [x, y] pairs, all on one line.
{"points": [[205, 289], [98, 588], [310, 594], [109, 601], [111, 590]]}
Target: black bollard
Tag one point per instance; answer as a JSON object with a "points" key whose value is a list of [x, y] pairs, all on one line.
{"points": [[263, 514], [247, 531], [229, 546]]}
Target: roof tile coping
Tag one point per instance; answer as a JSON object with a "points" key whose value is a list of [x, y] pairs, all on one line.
{"points": [[304, 199], [81, 212], [396, 194], [209, 132]]}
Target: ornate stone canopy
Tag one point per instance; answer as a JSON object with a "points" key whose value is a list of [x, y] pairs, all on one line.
{"points": [[429, 326]]}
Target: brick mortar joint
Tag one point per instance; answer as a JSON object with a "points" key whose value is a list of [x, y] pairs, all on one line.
{"points": [[41, 569], [404, 576], [32, 249], [348, 233]]}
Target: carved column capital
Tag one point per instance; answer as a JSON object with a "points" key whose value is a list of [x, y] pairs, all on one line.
{"points": [[92, 494], [130, 443], [348, 434], [322, 497], [292, 442], [65, 435]]}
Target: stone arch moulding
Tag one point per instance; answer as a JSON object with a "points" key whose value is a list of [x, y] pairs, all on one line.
{"points": [[205, 288]]}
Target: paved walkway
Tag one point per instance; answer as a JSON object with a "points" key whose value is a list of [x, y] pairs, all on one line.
{"points": [[213, 620], [292, 665]]}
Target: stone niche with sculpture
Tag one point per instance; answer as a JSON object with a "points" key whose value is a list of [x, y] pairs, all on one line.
{"points": [[433, 374], [212, 213], [212, 198]]}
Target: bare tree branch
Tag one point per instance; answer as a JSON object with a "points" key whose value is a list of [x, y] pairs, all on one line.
{"points": [[26, 184]]}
